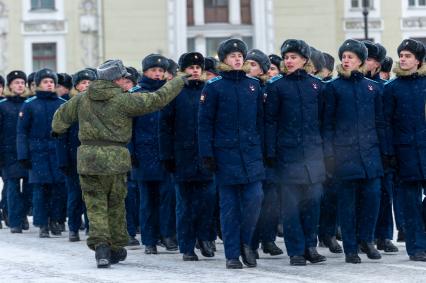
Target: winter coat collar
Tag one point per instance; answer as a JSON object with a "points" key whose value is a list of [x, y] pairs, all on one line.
{"points": [[46, 94], [16, 99], [148, 84], [309, 67], [103, 90], [400, 73], [8, 93], [298, 74], [352, 75], [227, 72], [195, 84]]}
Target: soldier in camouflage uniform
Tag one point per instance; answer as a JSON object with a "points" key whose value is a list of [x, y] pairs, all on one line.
{"points": [[104, 113]]}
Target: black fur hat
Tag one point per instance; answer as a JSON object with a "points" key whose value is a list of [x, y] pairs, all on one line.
{"points": [[413, 46], [65, 80], [210, 65], [17, 74], [155, 60], [375, 51], [387, 64], [317, 59], [276, 60], [30, 79], [2, 82], [354, 46], [173, 67], [329, 61], [85, 74], [45, 73], [261, 58], [231, 45], [134, 74], [297, 46], [191, 58]]}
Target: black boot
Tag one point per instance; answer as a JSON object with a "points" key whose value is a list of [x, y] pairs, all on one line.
{"points": [[352, 258], [190, 256], [14, 230], [151, 250], [256, 253], [118, 255], [213, 245], [73, 236], [133, 242], [248, 256], [271, 248], [332, 244], [62, 227], [419, 256], [280, 231], [234, 264], [297, 260], [387, 246], [103, 256], [170, 243], [44, 232], [370, 250], [25, 224], [312, 255], [401, 237], [55, 228], [206, 249]]}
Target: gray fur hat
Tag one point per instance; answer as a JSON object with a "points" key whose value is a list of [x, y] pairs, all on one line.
{"points": [[231, 45], [355, 46], [413, 46], [387, 64], [297, 46], [85, 74], [261, 58], [155, 60], [112, 70], [45, 73], [329, 61], [317, 59]]}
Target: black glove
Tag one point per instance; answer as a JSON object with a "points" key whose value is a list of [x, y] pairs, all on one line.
{"points": [[26, 163], [210, 164], [330, 164], [169, 165], [186, 79], [66, 170], [54, 134], [135, 161], [270, 162], [389, 162]]}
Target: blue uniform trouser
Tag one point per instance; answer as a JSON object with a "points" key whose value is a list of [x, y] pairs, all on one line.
{"points": [[384, 226], [64, 203], [157, 210], [215, 227], [266, 228], [365, 195], [195, 203], [398, 205], [415, 235], [75, 203], [328, 211], [239, 211], [300, 211], [3, 200], [46, 203], [132, 207], [16, 201]]}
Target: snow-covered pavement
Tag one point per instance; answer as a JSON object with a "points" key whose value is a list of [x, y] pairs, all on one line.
{"points": [[26, 258]]}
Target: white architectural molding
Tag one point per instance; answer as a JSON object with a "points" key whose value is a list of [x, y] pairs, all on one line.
{"points": [[198, 12], [4, 31], [262, 18], [235, 12], [176, 16], [60, 50], [89, 29]]}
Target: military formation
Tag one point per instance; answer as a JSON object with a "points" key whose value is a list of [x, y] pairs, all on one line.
{"points": [[245, 147]]}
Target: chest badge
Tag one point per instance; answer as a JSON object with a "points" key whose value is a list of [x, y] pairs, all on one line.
{"points": [[315, 86], [370, 87], [21, 114], [252, 88], [202, 98]]}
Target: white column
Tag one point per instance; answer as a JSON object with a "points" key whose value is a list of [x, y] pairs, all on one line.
{"points": [[234, 12], [200, 44], [263, 29], [198, 12], [177, 28]]}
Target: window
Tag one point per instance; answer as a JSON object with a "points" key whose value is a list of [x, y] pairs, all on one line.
{"points": [[216, 11], [190, 43], [249, 41], [190, 12], [212, 43], [42, 4], [421, 39], [416, 3], [358, 4], [246, 12], [44, 56]]}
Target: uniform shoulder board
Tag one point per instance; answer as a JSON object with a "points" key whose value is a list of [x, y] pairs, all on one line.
{"points": [[275, 78], [134, 89], [64, 100], [215, 79], [3, 100], [373, 81], [390, 81], [253, 78], [31, 99]]}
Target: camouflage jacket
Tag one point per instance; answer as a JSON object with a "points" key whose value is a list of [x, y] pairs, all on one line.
{"points": [[104, 113]]}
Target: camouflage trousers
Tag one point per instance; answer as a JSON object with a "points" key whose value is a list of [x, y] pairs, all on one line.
{"points": [[104, 197]]}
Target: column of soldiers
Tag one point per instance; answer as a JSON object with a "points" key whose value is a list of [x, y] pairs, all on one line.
{"points": [[246, 148]]}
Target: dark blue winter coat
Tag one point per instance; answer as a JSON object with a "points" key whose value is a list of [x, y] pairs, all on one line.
{"points": [[292, 131], [178, 133], [405, 110], [9, 111], [230, 125], [354, 126], [145, 140], [34, 141]]}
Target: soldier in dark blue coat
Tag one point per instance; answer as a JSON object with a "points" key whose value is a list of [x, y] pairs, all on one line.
{"points": [[195, 189], [230, 132], [294, 148], [66, 149], [12, 171], [157, 192], [404, 104], [266, 228], [353, 140], [37, 151]]}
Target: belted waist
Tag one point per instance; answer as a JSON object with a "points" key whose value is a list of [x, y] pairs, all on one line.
{"points": [[103, 143]]}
